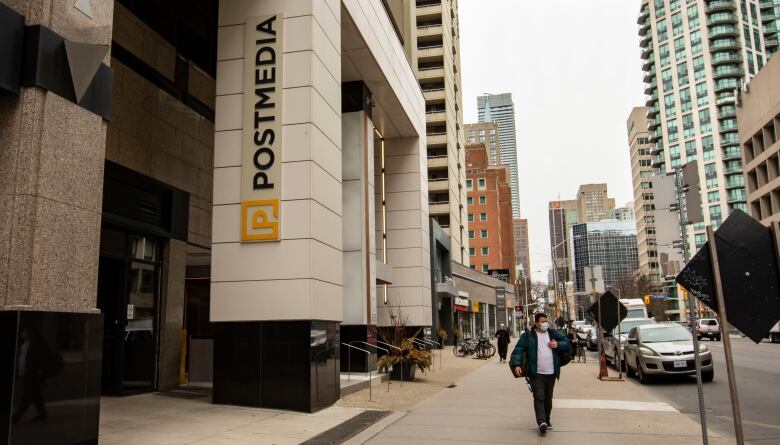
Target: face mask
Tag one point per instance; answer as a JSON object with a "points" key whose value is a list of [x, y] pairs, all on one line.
{"points": [[544, 326]]}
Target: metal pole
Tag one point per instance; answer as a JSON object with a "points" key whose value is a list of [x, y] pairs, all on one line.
{"points": [[402, 354], [691, 311], [619, 343], [724, 322]]}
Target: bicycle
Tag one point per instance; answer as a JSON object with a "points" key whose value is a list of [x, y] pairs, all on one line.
{"points": [[582, 348]]}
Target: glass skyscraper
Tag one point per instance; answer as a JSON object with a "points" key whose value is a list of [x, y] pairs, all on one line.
{"points": [[610, 244], [500, 109]]}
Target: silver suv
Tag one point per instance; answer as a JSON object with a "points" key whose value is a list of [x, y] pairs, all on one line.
{"points": [[708, 327], [615, 342]]}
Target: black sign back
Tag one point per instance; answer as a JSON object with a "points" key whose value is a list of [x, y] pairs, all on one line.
{"points": [[609, 311]]}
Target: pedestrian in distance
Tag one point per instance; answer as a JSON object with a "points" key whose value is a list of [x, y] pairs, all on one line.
{"points": [[538, 356], [502, 335]]}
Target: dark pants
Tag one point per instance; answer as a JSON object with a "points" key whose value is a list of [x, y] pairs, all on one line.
{"points": [[542, 387], [502, 350]]}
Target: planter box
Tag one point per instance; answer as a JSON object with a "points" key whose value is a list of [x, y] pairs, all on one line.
{"points": [[409, 372]]}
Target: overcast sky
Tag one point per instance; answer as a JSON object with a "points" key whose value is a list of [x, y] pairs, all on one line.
{"points": [[574, 70]]}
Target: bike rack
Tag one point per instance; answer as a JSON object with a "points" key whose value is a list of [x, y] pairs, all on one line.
{"points": [[377, 347], [402, 366], [349, 365]]}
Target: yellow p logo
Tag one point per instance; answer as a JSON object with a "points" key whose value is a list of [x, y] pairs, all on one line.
{"points": [[256, 224]]}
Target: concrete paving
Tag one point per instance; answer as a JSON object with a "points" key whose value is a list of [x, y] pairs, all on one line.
{"points": [[490, 406]]}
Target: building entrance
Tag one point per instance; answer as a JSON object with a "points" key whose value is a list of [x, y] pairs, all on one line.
{"points": [[128, 296]]}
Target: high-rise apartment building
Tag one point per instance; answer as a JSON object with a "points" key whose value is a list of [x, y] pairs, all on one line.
{"points": [[522, 248], [759, 130], [500, 109], [610, 244], [562, 216], [770, 17], [593, 204], [491, 232], [485, 133], [433, 40], [696, 55], [644, 203]]}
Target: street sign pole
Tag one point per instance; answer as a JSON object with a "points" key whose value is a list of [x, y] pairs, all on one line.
{"points": [[725, 326]]}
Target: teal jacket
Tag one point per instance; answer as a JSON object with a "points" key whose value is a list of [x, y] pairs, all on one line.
{"points": [[517, 354]]}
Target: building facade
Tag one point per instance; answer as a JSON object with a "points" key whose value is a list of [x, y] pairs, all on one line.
{"points": [[696, 55], [485, 133], [770, 17], [489, 206], [562, 215], [254, 176], [500, 109], [758, 114], [432, 37], [593, 203], [522, 245], [644, 203], [610, 244]]}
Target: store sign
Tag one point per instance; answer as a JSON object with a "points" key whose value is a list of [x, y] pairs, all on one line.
{"points": [[261, 158], [461, 301], [500, 274], [475, 306]]}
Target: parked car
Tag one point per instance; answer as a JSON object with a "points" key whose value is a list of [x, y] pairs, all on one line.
{"points": [[585, 328], [708, 327], [774, 333], [636, 307], [593, 339], [577, 323], [664, 349], [614, 342]]}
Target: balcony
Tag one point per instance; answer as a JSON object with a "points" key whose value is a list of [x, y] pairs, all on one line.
{"points": [[649, 75], [435, 139], [728, 125], [723, 58], [433, 94], [651, 99], [721, 5], [725, 99], [430, 74], [657, 149], [724, 44], [728, 71], [439, 208], [720, 18], [643, 15], [429, 31], [735, 182], [430, 52], [729, 139], [653, 111], [727, 112], [736, 196], [653, 124], [435, 117], [726, 85], [438, 185], [429, 9], [732, 170], [437, 162], [723, 31], [648, 63], [650, 87], [732, 154]]}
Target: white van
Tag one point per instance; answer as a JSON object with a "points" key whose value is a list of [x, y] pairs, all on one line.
{"points": [[636, 307]]}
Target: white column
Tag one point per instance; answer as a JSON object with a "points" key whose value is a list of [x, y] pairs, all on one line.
{"points": [[298, 277]]}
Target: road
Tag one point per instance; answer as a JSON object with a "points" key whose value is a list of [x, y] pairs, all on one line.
{"points": [[758, 379]]}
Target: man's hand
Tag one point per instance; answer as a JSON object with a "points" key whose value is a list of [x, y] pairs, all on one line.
{"points": [[518, 371], [553, 344]]}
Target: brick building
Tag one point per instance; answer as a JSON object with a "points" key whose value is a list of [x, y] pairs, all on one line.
{"points": [[489, 201]]}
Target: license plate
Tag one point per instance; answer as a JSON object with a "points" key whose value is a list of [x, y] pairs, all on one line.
{"points": [[680, 364]]}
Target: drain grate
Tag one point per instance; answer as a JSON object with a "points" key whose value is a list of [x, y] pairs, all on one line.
{"points": [[345, 430], [451, 385]]}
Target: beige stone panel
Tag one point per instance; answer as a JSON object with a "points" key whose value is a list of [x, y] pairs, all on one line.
{"points": [[403, 164], [177, 114], [172, 313], [404, 182], [298, 225], [196, 154], [201, 85], [206, 132], [135, 154], [304, 142], [404, 276], [261, 300], [226, 220], [228, 112], [403, 201], [227, 185], [227, 148], [405, 238], [230, 42], [296, 180], [174, 171], [404, 219], [233, 12], [326, 225], [406, 257], [304, 105], [325, 189], [230, 77], [326, 263], [329, 21], [205, 184], [137, 90], [326, 301], [286, 259]]}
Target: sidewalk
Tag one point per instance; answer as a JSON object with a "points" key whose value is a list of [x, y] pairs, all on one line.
{"points": [[490, 406]]}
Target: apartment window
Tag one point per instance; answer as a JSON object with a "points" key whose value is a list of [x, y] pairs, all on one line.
{"points": [[471, 234], [473, 267], [482, 139], [690, 148], [751, 64], [713, 197], [663, 55], [483, 233], [702, 98], [469, 200], [674, 152], [482, 199], [696, 47], [685, 100], [483, 216], [754, 15], [481, 132], [472, 251], [662, 30], [693, 16], [698, 68], [471, 217], [481, 183], [682, 74], [469, 184], [666, 79], [484, 268], [710, 171], [669, 105], [485, 251], [760, 61], [700, 239], [707, 144], [705, 122], [688, 127], [671, 129], [748, 43]]}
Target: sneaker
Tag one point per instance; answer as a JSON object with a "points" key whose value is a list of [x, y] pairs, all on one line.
{"points": [[543, 428], [549, 426]]}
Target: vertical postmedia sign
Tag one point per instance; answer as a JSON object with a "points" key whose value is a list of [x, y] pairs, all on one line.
{"points": [[261, 157]]}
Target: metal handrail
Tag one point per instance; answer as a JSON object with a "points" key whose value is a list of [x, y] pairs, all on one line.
{"points": [[434, 342], [377, 347], [349, 365]]}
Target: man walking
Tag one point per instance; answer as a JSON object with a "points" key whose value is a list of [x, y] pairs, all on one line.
{"points": [[537, 352], [502, 335]]}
